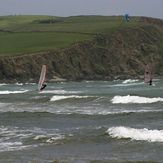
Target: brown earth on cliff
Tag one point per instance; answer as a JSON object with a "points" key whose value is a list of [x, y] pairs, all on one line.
{"points": [[120, 55]]}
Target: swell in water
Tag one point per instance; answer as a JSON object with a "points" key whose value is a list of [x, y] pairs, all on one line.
{"points": [[15, 138]]}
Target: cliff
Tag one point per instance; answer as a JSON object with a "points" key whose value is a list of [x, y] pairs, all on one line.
{"points": [[122, 54]]}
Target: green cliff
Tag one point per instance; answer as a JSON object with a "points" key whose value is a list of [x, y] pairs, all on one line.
{"points": [[120, 52]]}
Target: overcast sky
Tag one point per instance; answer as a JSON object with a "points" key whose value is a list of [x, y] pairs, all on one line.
{"points": [[150, 8]]}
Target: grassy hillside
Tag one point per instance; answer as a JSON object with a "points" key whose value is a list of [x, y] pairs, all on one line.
{"points": [[28, 34], [79, 47]]}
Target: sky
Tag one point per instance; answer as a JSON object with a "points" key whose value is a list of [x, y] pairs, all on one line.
{"points": [[149, 8]]}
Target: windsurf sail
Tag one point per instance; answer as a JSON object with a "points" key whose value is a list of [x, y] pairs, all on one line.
{"points": [[42, 77], [148, 74]]}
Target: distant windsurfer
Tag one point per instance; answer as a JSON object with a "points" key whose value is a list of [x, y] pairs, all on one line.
{"points": [[148, 75], [43, 86], [150, 82]]}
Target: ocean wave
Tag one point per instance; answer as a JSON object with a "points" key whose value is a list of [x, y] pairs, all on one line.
{"points": [[12, 92], [134, 99], [12, 138], [1, 84], [18, 83], [10, 146], [136, 134], [130, 81], [2, 105], [57, 98], [49, 138], [30, 83], [127, 84], [70, 110], [60, 92]]}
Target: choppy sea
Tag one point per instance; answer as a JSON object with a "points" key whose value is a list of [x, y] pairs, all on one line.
{"points": [[82, 122]]}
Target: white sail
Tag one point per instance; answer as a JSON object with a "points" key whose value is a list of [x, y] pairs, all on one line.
{"points": [[147, 74], [42, 77]]}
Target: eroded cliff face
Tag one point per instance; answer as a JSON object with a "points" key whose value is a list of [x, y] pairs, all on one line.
{"points": [[120, 55]]}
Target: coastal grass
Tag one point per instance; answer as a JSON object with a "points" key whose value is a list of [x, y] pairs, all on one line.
{"points": [[26, 34], [18, 43]]}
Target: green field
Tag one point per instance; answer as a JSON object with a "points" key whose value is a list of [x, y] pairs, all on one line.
{"points": [[25, 34]]}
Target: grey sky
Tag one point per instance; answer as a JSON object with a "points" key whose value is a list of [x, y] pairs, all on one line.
{"points": [[150, 8]]}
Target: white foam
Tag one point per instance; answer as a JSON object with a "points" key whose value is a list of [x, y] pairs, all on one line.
{"points": [[1, 84], [9, 146], [134, 99], [60, 92], [55, 138], [12, 92], [136, 134], [38, 137], [127, 84], [130, 81], [49, 137], [30, 83], [18, 83], [57, 98]]}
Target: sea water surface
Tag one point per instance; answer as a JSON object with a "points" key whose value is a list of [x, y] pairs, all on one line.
{"points": [[82, 122]]}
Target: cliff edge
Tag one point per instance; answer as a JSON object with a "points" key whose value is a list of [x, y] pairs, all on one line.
{"points": [[122, 54]]}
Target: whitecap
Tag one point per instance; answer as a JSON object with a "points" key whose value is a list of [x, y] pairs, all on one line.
{"points": [[57, 98], [30, 83], [12, 92], [60, 92], [130, 81], [134, 99], [55, 138], [136, 134], [18, 83], [38, 137], [1, 84]]}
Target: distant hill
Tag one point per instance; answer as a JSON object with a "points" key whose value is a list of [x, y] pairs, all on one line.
{"points": [[79, 47], [25, 34]]}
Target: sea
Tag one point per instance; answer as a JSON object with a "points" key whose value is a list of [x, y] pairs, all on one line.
{"points": [[118, 121]]}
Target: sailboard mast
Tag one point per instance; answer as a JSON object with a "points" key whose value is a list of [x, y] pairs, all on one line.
{"points": [[42, 77], [148, 76]]}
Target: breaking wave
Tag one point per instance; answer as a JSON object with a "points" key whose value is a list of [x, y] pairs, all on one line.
{"points": [[130, 81], [57, 98], [1, 84], [12, 92], [136, 134], [60, 92], [134, 99]]}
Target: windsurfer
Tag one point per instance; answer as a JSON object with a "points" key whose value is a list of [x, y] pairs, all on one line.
{"points": [[43, 86], [150, 82]]}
